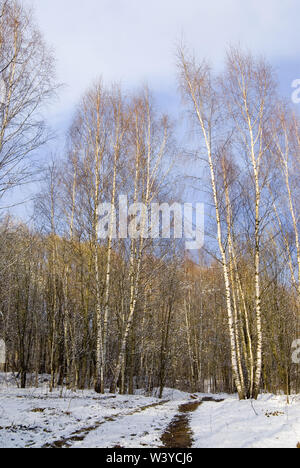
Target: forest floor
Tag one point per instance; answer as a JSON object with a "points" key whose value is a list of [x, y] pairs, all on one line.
{"points": [[64, 419]]}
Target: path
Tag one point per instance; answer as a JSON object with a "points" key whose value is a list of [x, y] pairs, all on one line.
{"points": [[179, 433]]}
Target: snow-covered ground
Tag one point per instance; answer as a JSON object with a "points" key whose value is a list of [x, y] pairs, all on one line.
{"points": [[36, 418], [267, 423]]}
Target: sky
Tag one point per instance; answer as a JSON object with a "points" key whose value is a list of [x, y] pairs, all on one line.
{"points": [[134, 41]]}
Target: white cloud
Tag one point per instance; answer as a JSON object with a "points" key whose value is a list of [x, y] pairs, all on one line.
{"points": [[134, 40]]}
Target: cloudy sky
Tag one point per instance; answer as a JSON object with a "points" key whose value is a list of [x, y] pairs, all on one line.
{"points": [[133, 41]]}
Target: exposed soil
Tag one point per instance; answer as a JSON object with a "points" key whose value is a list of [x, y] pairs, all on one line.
{"points": [[205, 399], [179, 434]]}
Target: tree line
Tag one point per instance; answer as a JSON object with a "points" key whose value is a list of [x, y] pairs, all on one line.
{"points": [[140, 313]]}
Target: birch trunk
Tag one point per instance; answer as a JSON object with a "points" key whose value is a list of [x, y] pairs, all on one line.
{"points": [[190, 83]]}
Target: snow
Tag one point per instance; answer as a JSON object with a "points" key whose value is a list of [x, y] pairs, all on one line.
{"points": [[267, 423], [35, 418], [139, 430]]}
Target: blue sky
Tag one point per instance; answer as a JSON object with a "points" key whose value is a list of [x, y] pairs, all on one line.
{"points": [[133, 41]]}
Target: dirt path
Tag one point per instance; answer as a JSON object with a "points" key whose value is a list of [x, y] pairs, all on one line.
{"points": [[82, 433], [179, 434]]}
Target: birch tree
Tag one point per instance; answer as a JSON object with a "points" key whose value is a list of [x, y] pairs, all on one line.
{"points": [[197, 87], [149, 143], [28, 83], [250, 94], [233, 111]]}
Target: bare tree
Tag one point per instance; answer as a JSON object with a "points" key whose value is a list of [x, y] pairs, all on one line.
{"points": [[27, 76], [197, 87]]}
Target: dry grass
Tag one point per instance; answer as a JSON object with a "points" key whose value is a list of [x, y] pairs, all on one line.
{"points": [[38, 410]]}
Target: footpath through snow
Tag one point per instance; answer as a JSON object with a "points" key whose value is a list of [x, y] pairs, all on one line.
{"points": [[36, 418]]}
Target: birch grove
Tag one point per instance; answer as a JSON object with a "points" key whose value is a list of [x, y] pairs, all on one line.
{"points": [[234, 112], [91, 293]]}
